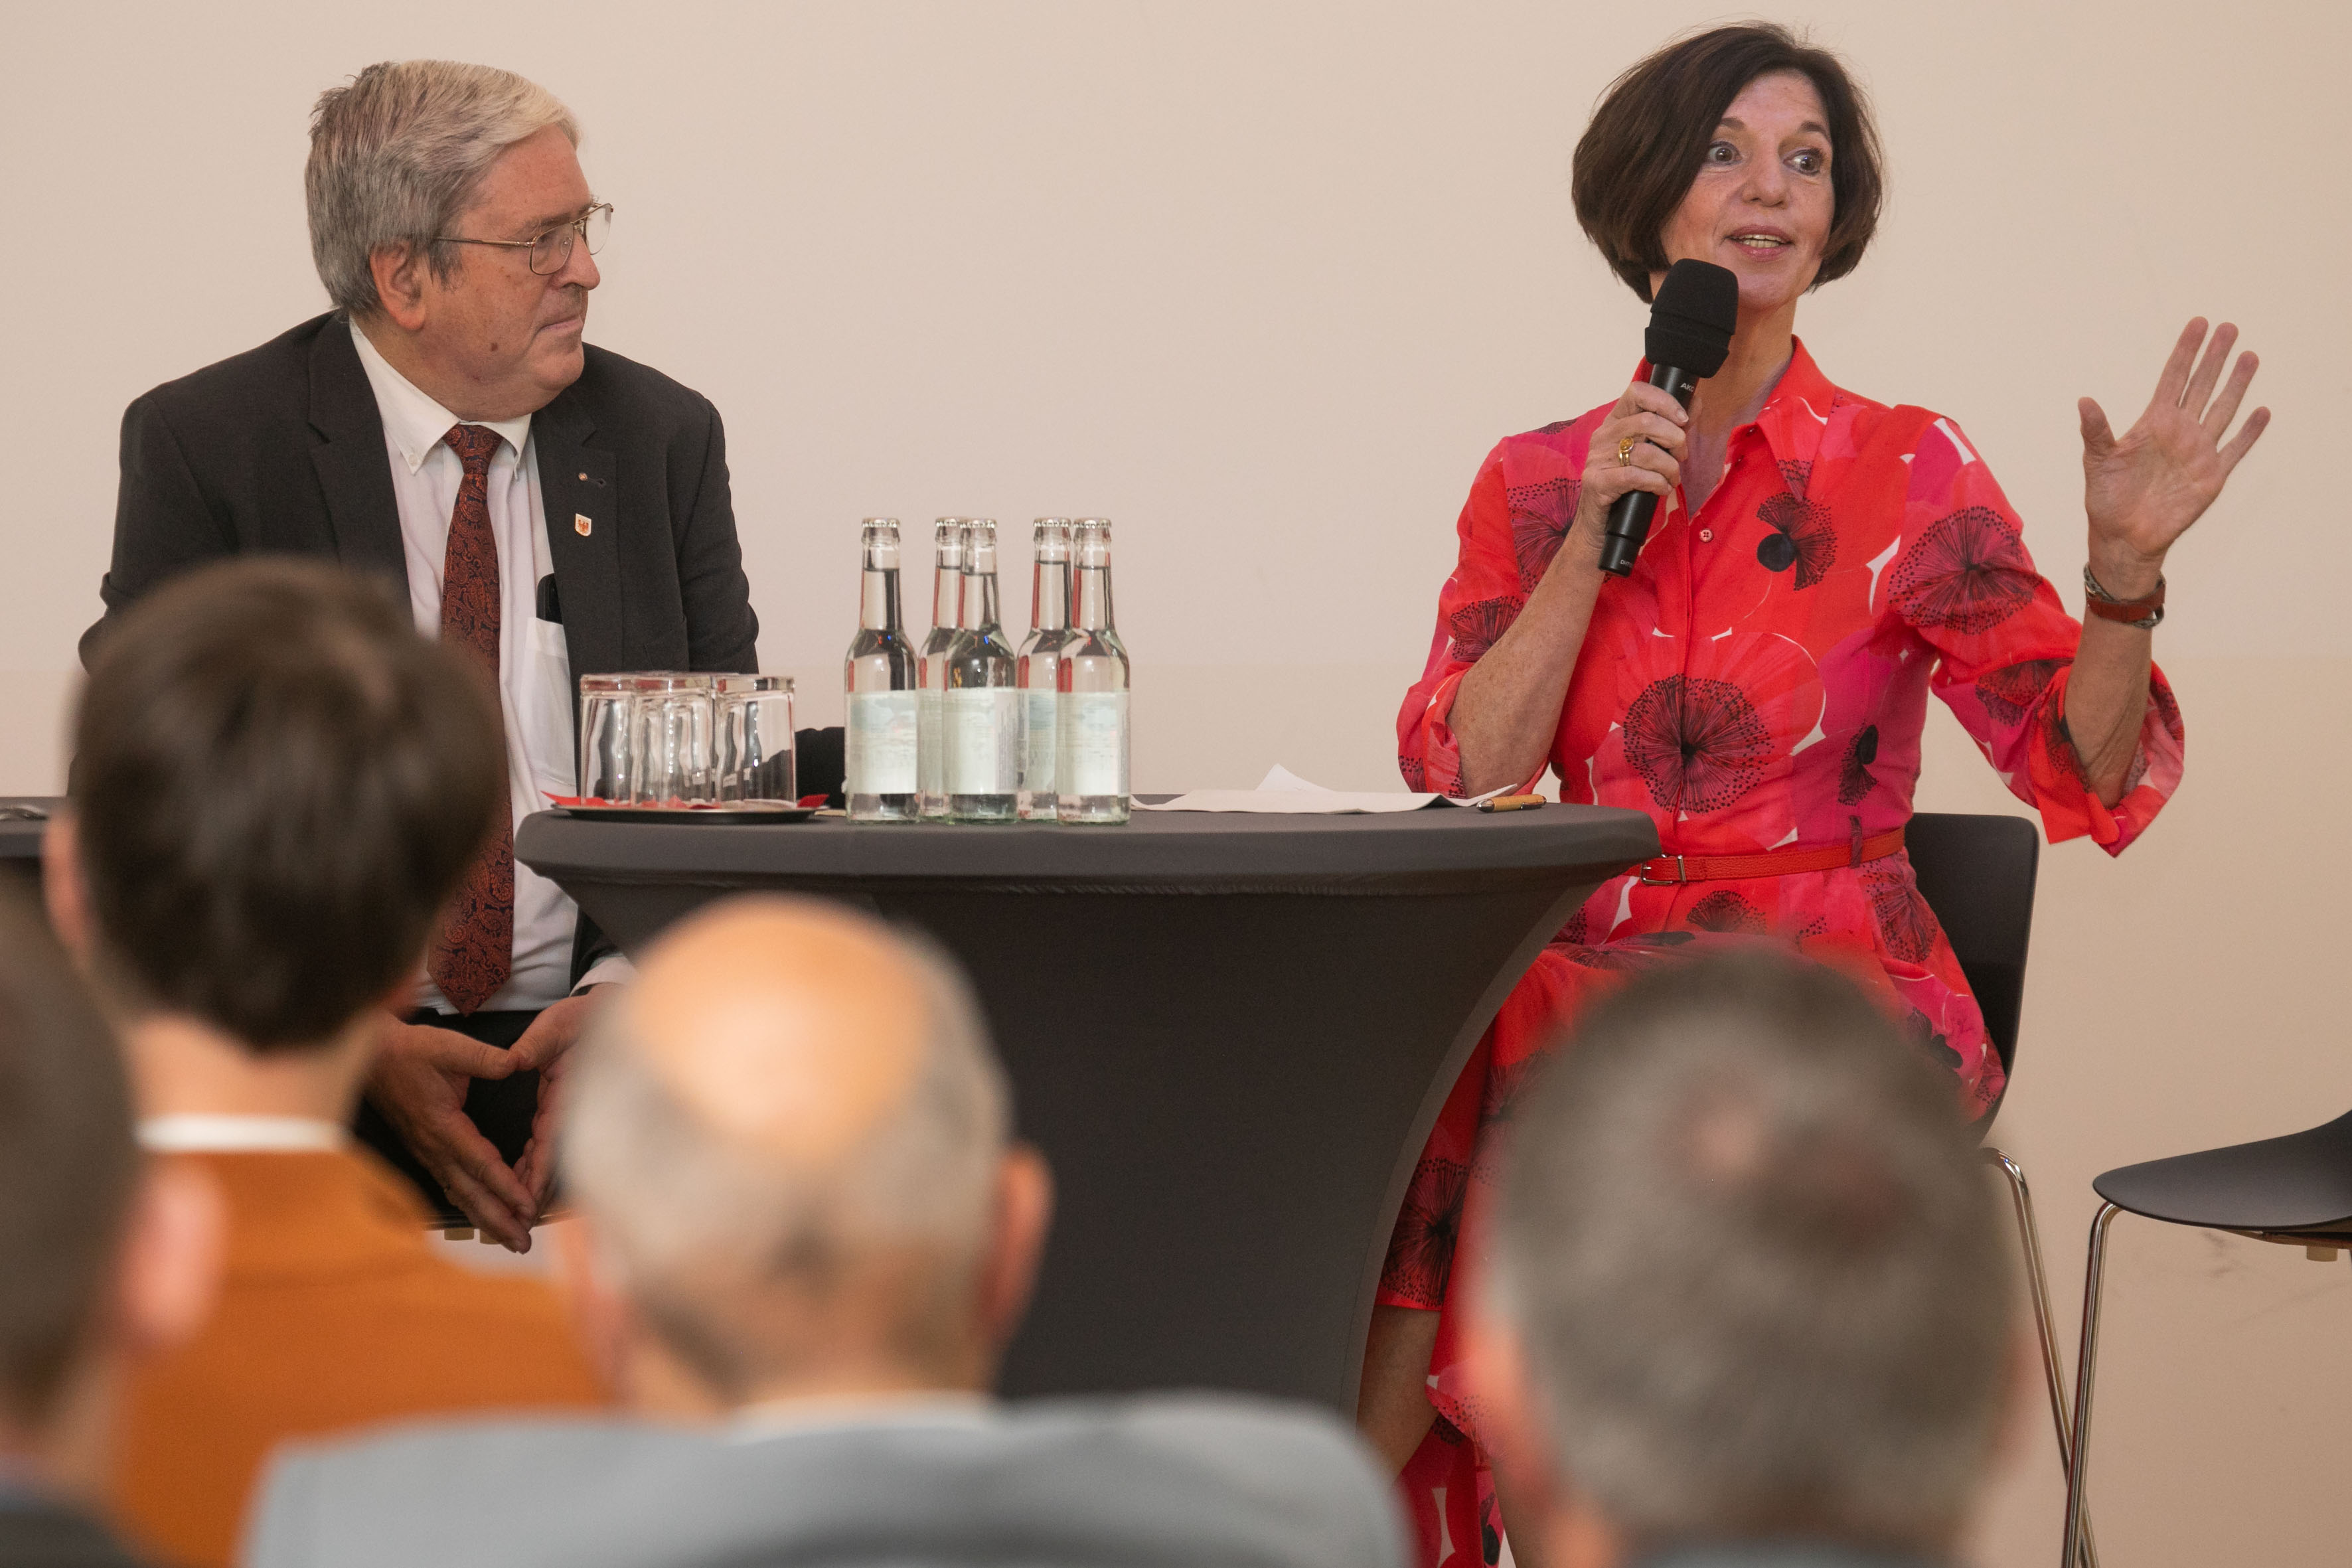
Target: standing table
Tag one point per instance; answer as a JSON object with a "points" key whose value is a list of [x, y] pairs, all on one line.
{"points": [[20, 840], [1229, 1034]]}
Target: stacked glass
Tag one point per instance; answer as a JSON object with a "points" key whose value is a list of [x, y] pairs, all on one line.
{"points": [[752, 736], [672, 738]]}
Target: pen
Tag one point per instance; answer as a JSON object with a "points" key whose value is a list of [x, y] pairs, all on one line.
{"points": [[1511, 803]]}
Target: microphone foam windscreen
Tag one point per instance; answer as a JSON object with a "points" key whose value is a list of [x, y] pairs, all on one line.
{"points": [[1697, 312]]}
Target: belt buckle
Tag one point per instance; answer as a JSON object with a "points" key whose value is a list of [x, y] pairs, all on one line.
{"points": [[1680, 878]]}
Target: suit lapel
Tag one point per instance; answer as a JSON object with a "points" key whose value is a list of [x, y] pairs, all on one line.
{"points": [[354, 469], [578, 485]]}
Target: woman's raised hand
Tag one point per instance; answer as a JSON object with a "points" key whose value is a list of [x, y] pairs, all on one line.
{"points": [[2145, 488], [1653, 422]]}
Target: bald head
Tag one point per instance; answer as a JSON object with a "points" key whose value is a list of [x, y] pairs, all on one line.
{"points": [[793, 1103], [793, 1028]]}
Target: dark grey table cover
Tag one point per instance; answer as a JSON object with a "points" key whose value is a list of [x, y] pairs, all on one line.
{"points": [[20, 841], [1229, 1034]]}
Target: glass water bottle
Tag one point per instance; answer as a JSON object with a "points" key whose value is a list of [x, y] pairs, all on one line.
{"points": [[983, 708], [879, 677], [931, 669], [1037, 669], [1091, 771]]}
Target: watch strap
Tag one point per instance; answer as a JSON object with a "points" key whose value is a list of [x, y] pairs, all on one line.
{"points": [[2146, 613]]}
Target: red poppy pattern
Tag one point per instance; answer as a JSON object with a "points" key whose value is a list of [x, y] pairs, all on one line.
{"points": [[1477, 628], [1724, 910], [1696, 742], [1539, 518], [1802, 537], [1760, 682], [1968, 573]]}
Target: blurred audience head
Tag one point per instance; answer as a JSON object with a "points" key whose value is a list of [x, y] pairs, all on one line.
{"points": [[1749, 1281], [101, 1254], [277, 783], [788, 1141]]}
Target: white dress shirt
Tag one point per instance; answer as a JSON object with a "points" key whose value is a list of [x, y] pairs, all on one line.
{"points": [[534, 665], [908, 1407], [189, 1133]]}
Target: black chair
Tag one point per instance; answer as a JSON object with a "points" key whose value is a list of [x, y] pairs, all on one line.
{"points": [[1977, 874], [2295, 1190]]}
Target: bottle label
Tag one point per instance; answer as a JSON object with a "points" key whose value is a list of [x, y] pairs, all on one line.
{"points": [[984, 740], [931, 752], [1039, 750], [881, 743], [1093, 743]]}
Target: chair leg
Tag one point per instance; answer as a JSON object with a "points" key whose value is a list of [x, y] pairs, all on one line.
{"points": [[2087, 1367], [2037, 1281]]}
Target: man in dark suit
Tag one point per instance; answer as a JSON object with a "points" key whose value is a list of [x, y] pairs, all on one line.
{"points": [[557, 509], [102, 1253]]}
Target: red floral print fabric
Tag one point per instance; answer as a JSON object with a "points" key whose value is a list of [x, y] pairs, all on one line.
{"points": [[1759, 682]]}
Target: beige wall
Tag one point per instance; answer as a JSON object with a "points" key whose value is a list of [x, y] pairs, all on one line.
{"points": [[1263, 282]]}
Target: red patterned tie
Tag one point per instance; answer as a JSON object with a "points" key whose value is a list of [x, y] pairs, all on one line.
{"points": [[474, 953]]}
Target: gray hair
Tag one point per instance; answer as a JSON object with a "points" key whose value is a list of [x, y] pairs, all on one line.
{"points": [[1748, 1244], [691, 1218], [396, 156]]}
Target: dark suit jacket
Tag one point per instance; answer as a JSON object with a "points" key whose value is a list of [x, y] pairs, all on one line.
{"points": [[38, 1533], [281, 451]]}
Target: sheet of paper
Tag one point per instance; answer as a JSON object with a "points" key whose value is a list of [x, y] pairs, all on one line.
{"points": [[1284, 793]]}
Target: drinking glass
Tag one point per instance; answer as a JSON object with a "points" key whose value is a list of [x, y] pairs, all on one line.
{"points": [[755, 759], [605, 748], [671, 720]]}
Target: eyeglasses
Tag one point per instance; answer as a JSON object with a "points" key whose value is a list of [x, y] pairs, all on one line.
{"points": [[551, 250]]}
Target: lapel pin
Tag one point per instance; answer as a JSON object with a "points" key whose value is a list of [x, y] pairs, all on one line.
{"points": [[581, 523]]}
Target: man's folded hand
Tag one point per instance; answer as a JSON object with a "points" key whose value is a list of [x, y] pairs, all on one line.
{"points": [[419, 1082]]}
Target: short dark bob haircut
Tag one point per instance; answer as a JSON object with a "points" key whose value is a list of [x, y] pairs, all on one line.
{"points": [[1638, 158]]}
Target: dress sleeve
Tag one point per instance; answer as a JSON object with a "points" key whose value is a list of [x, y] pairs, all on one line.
{"points": [[1476, 605], [2005, 647]]}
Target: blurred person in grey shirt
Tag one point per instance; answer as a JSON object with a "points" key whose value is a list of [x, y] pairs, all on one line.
{"points": [[804, 1239], [1753, 1302]]}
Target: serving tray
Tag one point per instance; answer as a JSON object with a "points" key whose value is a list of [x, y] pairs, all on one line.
{"points": [[737, 811]]}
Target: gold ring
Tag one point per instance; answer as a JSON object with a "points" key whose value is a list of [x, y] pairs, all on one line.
{"points": [[1625, 451]]}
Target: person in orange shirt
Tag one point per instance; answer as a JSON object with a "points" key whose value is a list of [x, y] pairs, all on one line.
{"points": [[277, 786]]}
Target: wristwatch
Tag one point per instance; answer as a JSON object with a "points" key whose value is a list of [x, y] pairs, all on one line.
{"points": [[2145, 613]]}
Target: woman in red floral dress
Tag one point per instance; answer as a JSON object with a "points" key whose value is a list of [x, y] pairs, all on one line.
{"points": [[1821, 564]]}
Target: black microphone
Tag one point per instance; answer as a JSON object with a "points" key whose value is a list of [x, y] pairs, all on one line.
{"points": [[1697, 312]]}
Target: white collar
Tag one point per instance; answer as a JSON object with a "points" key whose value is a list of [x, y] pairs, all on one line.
{"points": [[914, 1407], [414, 421], [194, 1134]]}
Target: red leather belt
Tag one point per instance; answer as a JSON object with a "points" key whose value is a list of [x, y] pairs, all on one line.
{"points": [[1669, 870]]}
